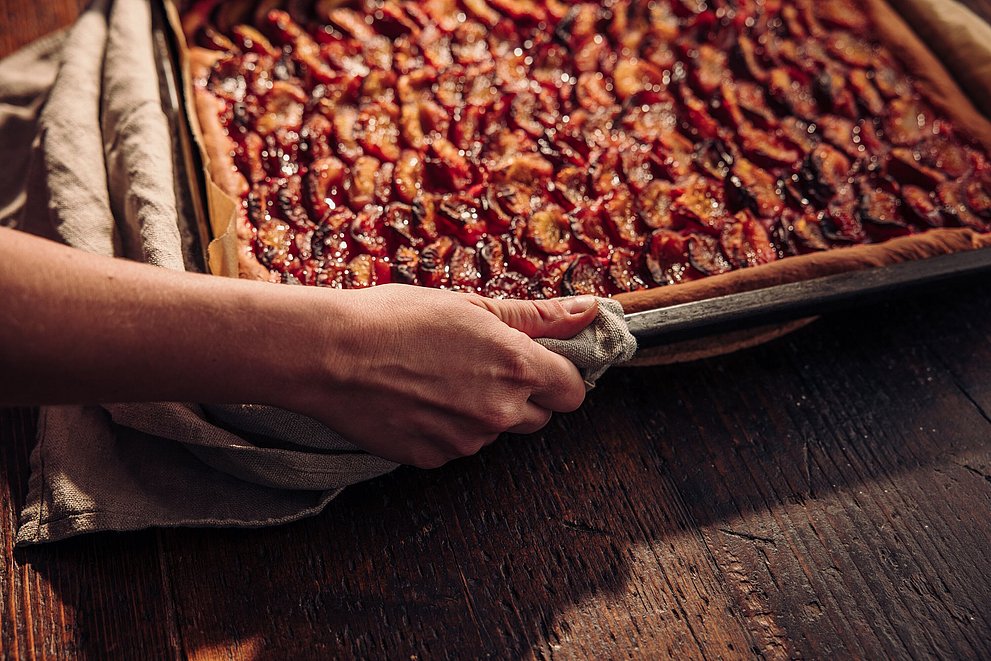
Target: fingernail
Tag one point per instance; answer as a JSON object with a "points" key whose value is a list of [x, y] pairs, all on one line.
{"points": [[578, 304]]}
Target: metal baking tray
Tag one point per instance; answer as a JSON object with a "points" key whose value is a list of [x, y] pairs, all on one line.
{"points": [[660, 326]]}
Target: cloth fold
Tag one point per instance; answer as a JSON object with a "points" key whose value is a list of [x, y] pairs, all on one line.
{"points": [[87, 160]]}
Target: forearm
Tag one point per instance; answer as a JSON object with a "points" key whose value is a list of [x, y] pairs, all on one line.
{"points": [[88, 329]]}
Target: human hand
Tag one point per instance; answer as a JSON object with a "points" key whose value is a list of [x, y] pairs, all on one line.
{"points": [[423, 376]]}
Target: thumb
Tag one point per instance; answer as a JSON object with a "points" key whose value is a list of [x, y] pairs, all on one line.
{"points": [[560, 318]]}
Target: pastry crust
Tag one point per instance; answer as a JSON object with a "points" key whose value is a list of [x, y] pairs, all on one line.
{"points": [[933, 80]]}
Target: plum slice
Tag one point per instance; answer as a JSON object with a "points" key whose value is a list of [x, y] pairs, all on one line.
{"points": [[667, 257], [745, 242], [435, 262], [625, 266], [587, 227], [706, 255], [366, 230], [492, 259], [880, 205], [323, 185], [465, 274], [509, 284], [977, 195], [548, 230], [906, 122], [953, 200], [905, 165], [405, 265], [921, 206], [701, 202], [457, 214], [755, 188], [655, 204], [585, 275]]}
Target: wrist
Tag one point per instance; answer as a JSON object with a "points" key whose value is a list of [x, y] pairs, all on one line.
{"points": [[299, 343]]}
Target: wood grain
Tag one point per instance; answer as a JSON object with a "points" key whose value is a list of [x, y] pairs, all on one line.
{"points": [[827, 494]]}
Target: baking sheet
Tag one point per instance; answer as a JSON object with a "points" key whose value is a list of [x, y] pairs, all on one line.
{"points": [[653, 326]]}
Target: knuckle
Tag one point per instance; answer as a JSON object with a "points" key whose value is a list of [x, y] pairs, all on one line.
{"points": [[502, 417], [574, 395], [550, 310], [518, 360]]}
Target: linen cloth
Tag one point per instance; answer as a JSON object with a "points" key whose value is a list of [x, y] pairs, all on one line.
{"points": [[86, 158]]}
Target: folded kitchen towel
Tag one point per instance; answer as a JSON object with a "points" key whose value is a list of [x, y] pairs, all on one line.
{"points": [[85, 158]]}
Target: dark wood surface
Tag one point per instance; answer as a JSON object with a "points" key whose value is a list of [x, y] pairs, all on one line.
{"points": [[828, 494]]}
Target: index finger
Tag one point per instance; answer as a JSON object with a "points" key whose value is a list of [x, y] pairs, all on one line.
{"points": [[558, 384]]}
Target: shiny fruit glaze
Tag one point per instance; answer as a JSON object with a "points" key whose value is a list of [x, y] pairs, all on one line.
{"points": [[532, 149]]}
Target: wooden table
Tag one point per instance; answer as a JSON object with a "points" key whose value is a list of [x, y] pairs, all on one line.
{"points": [[828, 494]]}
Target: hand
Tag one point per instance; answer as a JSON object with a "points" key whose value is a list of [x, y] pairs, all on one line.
{"points": [[422, 376]]}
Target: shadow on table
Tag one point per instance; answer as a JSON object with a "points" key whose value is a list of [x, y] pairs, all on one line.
{"points": [[496, 554]]}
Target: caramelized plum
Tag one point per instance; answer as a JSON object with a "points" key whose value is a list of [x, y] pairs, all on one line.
{"points": [[906, 121], [921, 206], [706, 256], [824, 173], [360, 186], [700, 202], [977, 195], [586, 226], [435, 260], [842, 222], [491, 257], [447, 165], [458, 215], [548, 230], [745, 242], [366, 230], [754, 188], [361, 272], [283, 109], [620, 217], [952, 196], [398, 217], [379, 131], [465, 274], [906, 165], [880, 205], [655, 205], [945, 156], [406, 265], [585, 276], [408, 175], [509, 284], [625, 268], [425, 217], [667, 257], [324, 185], [867, 95]]}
